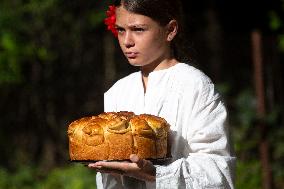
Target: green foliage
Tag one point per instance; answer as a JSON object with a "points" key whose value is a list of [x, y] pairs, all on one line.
{"points": [[17, 24], [246, 141], [275, 21], [248, 172], [71, 177], [4, 178], [9, 66], [276, 24], [248, 175], [244, 119], [281, 42], [22, 178], [30, 29], [223, 88]]}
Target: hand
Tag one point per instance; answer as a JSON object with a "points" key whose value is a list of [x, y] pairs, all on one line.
{"points": [[138, 168]]}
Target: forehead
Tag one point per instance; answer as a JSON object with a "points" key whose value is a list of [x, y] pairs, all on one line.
{"points": [[124, 17]]}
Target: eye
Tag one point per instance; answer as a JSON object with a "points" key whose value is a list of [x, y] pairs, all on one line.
{"points": [[120, 30], [138, 29]]}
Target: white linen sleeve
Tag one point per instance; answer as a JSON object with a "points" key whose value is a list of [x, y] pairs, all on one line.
{"points": [[209, 163], [109, 100]]}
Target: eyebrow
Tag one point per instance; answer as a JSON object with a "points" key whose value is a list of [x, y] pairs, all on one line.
{"points": [[132, 25], [137, 25]]}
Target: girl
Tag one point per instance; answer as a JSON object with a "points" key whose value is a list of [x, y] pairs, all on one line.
{"points": [[149, 34]]}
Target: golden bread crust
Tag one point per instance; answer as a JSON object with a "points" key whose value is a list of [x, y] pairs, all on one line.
{"points": [[116, 135]]}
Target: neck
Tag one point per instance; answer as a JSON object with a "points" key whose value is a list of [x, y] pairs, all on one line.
{"points": [[161, 65], [158, 65]]}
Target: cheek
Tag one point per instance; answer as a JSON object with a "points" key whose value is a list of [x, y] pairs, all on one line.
{"points": [[152, 45], [120, 42]]}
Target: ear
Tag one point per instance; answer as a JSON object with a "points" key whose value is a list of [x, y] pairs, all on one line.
{"points": [[172, 29]]}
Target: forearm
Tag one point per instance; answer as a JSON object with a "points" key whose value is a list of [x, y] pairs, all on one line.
{"points": [[197, 171]]}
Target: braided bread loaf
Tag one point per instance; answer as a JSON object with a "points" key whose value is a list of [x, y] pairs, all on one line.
{"points": [[114, 136]]}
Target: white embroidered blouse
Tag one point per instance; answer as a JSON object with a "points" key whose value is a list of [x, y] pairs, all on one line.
{"points": [[200, 149]]}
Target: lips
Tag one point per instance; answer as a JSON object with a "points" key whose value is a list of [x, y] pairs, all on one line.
{"points": [[131, 55]]}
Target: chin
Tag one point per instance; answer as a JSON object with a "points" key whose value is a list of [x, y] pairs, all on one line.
{"points": [[134, 62]]}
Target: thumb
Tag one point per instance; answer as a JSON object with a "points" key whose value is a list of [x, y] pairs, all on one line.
{"points": [[145, 165], [135, 159]]}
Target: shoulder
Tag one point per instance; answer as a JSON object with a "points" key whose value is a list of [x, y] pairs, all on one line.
{"points": [[191, 81], [122, 83], [189, 76]]}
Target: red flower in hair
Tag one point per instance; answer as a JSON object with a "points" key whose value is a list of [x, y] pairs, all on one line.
{"points": [[110, 20]]}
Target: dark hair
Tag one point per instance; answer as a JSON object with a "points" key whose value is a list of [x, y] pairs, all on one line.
{"points": [[162, 11]]}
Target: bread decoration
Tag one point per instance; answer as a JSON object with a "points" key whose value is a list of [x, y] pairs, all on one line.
{"points": [[116, 135]]}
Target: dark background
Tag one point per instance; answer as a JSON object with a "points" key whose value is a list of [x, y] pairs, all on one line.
{"points": [[57, 59]]}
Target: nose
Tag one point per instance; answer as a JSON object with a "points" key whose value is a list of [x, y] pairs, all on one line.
{"points": [[128, 40]]}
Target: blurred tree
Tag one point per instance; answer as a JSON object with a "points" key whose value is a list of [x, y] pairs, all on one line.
{"points": [[49, 61]]}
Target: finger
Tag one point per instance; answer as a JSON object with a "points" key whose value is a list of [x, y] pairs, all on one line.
{"points": [[135, 159], [116, 175], [94, 166], [114, 165], [111, 171], [143, 164]]}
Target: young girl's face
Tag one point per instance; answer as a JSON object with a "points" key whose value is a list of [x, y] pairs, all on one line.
{"points": [[142, 40]]}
